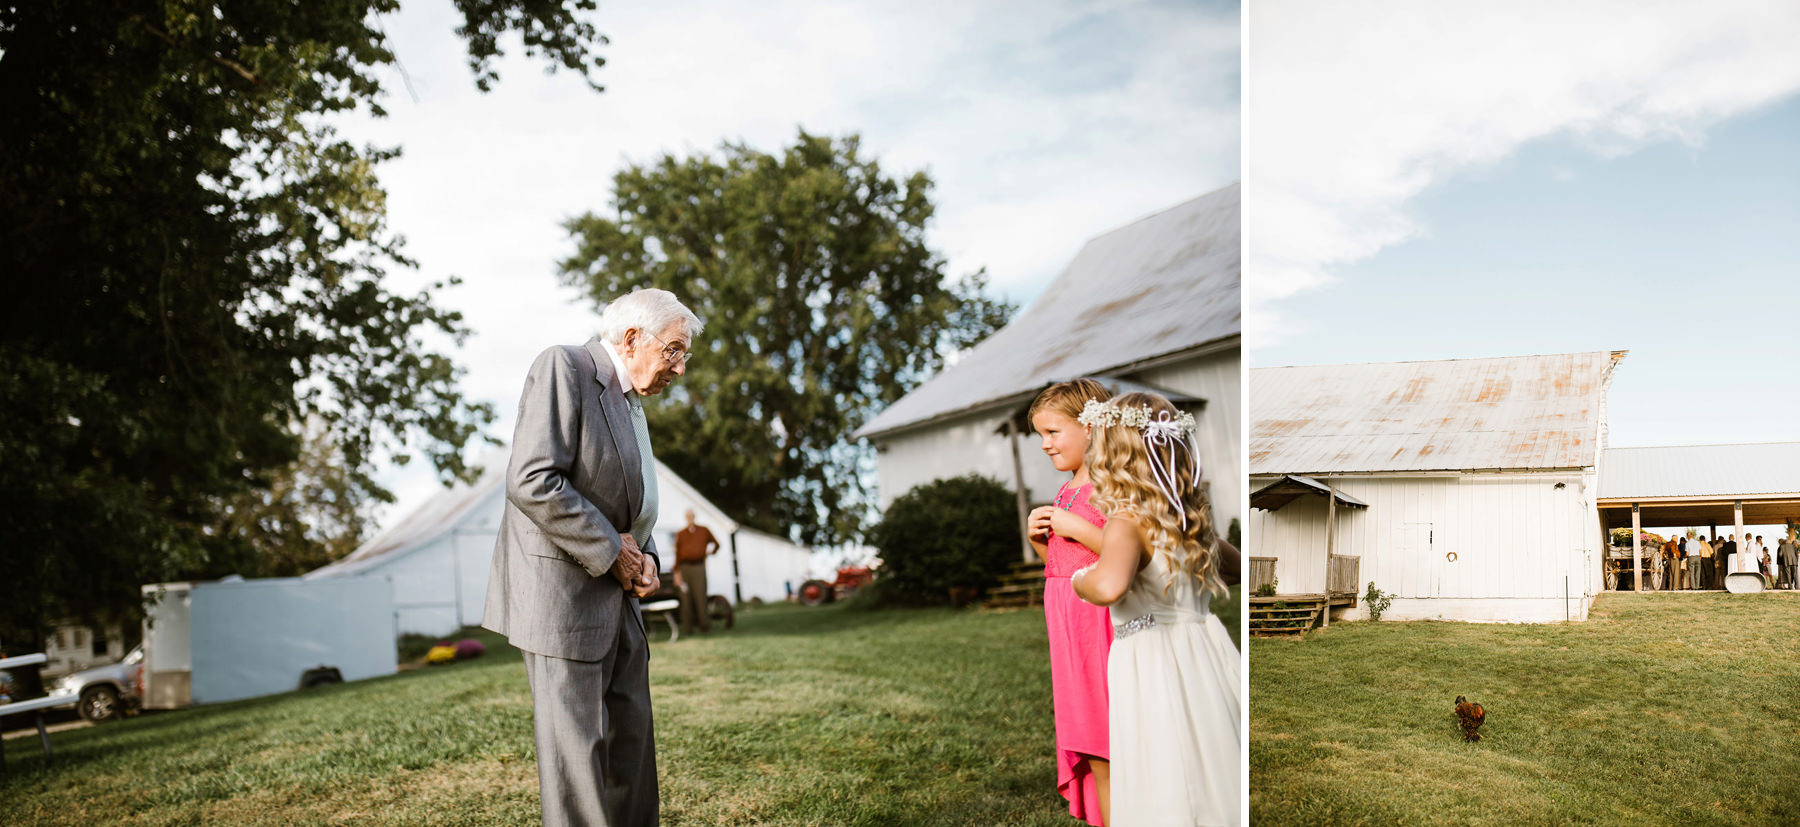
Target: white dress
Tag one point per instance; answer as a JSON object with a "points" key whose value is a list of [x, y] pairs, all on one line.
{"points": [[1176, 704]]}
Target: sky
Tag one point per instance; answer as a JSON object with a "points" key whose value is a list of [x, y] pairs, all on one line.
{"points": [[1042, 124], [1535, 177]]}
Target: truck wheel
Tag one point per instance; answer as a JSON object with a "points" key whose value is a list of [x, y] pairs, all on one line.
{"points": [[816, 592], [719, 609], [99, 703]]}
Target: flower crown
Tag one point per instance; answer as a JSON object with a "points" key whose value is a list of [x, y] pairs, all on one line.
{"points": [[1107, 414]]}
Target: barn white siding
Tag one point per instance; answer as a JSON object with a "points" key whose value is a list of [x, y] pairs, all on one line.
{"points": [[1218, 379], [965, 445], [1518, 540], [971, 444]]}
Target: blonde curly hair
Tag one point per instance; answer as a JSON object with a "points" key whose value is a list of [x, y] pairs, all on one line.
{"points": [[1118, 461]]}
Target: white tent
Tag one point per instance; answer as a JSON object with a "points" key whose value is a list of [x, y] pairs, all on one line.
{"points": [[438, 557]]}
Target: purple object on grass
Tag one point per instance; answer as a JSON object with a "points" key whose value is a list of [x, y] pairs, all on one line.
{"points": [[469, 648]]}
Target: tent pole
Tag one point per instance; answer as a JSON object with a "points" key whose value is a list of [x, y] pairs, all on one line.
{"points": [[737, 580]]}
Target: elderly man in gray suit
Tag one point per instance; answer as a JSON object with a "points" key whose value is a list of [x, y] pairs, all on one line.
{"points": [[575, 554]]}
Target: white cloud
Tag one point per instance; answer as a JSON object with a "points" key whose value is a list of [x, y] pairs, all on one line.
{"points": [[1042, 123], [1354, 108]]}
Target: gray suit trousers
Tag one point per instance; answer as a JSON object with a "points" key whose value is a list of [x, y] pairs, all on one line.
{"points": [[596, 746]]}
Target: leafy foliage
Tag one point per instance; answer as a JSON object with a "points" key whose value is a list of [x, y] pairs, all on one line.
{"points": [[194, 265], [302, 515], [822, 305], [956, 532], [1377, 601]]}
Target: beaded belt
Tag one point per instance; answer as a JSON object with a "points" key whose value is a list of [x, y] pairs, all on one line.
{"points": [[1133, 626]]}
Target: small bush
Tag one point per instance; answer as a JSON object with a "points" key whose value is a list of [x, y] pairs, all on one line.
{"points": [[1377, 601], [962, 531]]}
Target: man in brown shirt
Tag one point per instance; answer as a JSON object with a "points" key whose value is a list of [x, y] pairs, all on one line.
{"points": [[693, 544]]}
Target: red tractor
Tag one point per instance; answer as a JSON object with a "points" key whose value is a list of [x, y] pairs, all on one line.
{"points": [[849, 579]]}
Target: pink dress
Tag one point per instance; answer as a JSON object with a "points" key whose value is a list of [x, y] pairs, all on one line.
{"points": [[1080, 636]]}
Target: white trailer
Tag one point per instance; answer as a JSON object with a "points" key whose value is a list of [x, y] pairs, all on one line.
{"points": [[233, 639]]}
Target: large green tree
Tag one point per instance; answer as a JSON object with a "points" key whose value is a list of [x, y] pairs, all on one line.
{"points": [[822, 304], [193, 264]]}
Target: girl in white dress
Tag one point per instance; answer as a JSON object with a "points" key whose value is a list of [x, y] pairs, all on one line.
{"points": [[1173, 673]]}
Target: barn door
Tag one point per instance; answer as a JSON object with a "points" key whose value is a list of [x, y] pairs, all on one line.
{"points": [[1425, 570]]}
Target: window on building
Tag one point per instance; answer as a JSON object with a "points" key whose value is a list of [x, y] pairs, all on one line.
{"points": [[99, 647]]}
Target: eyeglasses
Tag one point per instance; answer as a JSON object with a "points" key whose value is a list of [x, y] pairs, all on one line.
{"points": [[672, 354]]}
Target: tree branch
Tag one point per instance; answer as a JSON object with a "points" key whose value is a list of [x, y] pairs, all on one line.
{"points": [[226, 62]]}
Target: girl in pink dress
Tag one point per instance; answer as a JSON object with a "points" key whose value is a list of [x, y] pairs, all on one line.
{"points": [[1065, 535]]}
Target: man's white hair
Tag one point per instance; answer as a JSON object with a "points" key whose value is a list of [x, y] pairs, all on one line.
{"points": [[649, 310]]}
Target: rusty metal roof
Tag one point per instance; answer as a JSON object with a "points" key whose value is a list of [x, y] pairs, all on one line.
{"points": [[1518, 412], [1156, 287], [1701, 471]]}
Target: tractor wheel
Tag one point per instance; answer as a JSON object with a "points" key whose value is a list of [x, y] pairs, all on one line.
{"points": [[816, 592], [719, 609]]}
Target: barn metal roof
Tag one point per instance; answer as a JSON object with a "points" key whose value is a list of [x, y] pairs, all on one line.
{"points": [[1157, 287], [1701, 471], [1518, 412]]}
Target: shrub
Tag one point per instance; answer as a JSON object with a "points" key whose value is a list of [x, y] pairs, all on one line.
{"points": [[1377, 601], [962, 531]]}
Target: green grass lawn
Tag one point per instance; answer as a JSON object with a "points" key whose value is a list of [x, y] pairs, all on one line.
{"points": [[1661, 709], [797, 716]]}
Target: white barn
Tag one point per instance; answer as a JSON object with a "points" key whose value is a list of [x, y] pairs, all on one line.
{"points": [[1465, 488], [438, 557], [1152, 305]]}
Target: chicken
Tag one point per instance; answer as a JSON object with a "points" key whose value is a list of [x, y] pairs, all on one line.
{"points": [[1470, 717]]}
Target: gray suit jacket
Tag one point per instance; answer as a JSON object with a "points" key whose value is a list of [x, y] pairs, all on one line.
{"points": [[575, 477]]}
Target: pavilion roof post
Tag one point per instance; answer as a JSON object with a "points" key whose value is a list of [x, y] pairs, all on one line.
{"points": [[1743, 545], [1637, 551]]}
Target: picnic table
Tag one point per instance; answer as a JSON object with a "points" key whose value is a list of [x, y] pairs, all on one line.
{"points": [[35, 706]]}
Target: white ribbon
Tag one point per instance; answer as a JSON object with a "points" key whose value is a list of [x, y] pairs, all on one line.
{"points": [[1164, 432]]}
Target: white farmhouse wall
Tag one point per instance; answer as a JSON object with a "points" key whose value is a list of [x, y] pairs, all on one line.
{"points": [[1218, 379], [1518, 542], [964, 445], [971, 444]]}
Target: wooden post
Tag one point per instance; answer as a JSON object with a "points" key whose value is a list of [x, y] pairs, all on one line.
{"points": [[1637, 552], [737, 580], [1737, 519], [1012, 436], [1330, 543]]}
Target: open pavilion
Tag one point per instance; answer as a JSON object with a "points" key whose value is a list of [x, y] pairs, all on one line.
{"points": [[1716, 486]]}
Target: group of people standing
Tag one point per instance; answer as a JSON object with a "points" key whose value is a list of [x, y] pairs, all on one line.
{"points": [[1699, 563]]}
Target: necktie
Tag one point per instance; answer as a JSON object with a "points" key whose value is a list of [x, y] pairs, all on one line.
{"points": [[640, 427]]}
